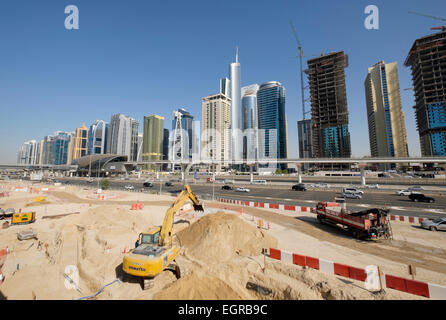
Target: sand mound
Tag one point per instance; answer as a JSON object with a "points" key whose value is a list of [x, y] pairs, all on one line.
{"points": [[195, 286], [219, 237]]}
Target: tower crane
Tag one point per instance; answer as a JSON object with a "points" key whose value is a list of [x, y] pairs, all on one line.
{"points": [[442, 28], [301, 53]]}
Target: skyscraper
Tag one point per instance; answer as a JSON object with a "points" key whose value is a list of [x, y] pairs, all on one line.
{"points": [[331, 137], [153, 137], [97, 137], [80, 142], [250, 121], [427, 60], [122, 137], [182, 128], [28, 152], [305, 134], [271, 119], [165, 147], [387, 129], [59, 148], [236, 111], [215, 133], [225, 87]]}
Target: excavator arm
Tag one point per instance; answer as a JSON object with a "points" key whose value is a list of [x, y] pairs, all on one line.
{"points": [[166, 229]]}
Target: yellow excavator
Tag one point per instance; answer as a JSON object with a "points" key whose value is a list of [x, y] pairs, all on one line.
{"points": [[154, 251]]}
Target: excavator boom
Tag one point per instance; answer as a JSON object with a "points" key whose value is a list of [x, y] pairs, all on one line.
{"points": [[166, 229]]}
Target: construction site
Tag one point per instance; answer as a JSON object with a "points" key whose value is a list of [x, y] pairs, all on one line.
{"points": [[70, 243]]}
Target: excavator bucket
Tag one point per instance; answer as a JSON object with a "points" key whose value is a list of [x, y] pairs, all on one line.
{"points": [[198, 207]]}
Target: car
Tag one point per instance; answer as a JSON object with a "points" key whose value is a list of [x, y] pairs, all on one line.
{"points": [[404, 192], [241, 189], [416, 188], [129, 187], [352, 195], [434, 225], [227, 188], [168, 184], [419, 197], [147, 184], [90, 180], [372, 186], [321, 185], [299, 187], [353, 190]]}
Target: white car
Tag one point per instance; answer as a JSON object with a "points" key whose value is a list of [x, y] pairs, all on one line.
{"points": [[129, 187], [353, 190], [372, 186], [416, 188], [404, 193], [351, 195], [321, 185], [241, 189]]}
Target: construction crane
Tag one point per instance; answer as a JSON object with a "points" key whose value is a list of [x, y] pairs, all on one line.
{"points": [[154, 251], [442, 28], [301, 54]]}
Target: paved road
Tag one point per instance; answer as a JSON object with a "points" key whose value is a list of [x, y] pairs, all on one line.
{"points": [[400, 205]]}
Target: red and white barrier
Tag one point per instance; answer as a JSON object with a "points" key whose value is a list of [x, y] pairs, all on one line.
{"points": [[294, 208], [425, 289]]}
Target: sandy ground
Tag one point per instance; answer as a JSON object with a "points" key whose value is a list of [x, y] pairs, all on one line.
{"points": [[221, 252]]}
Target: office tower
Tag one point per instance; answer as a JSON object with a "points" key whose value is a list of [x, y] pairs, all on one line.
{"points": [[427, 60], [271, 119], [140, 143], [153, 139], [305, 134], [387, 130], [40, 156], [196, 140], [182, 128], [70, 153], [97, 137], [236, 111], [250, 121], [216, 122], [331, 138], [122, 137], [59, 148], [225, 87], [80, 142], [165, 147], [28, 152], [134, 140]]}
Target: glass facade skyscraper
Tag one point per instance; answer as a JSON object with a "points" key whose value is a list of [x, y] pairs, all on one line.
{"points": [[271, 118], [97, 137]]}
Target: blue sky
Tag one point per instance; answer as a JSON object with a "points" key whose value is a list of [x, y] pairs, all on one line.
{"points": [[141, 57]]}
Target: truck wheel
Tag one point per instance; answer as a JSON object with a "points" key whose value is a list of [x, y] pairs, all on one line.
{"points": [[319, 219], [433, 228]]}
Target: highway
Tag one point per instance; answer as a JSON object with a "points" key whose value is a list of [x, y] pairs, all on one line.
{"points": [[399, 205]]}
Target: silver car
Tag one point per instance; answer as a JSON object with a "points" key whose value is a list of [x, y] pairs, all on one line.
{"points": [[435, 224], [351, 195]]}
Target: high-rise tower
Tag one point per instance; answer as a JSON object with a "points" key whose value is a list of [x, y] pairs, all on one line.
{"points": [[427, 59], [236, 110], [387, 130]]}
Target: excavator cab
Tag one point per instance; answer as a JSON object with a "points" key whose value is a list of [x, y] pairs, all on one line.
{"points": [[151, 237]]}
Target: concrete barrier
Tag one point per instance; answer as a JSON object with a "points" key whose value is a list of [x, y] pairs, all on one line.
{"points": [[425, 289]]}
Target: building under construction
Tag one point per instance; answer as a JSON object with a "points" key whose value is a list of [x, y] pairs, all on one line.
{"points": [[427, 59], [331, 138]]}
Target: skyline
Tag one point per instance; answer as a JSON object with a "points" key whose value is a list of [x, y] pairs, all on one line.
{"points": [[71, 87]]}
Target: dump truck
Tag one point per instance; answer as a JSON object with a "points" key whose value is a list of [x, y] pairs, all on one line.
{"points": [[372, 224], [154, 251]]}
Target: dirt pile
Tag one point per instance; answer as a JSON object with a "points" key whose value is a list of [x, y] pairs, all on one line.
{"points": [[198, 286], [220, 237]]}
